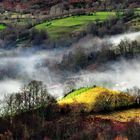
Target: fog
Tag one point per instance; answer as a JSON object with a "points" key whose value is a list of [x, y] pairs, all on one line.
{"points": [[127, 36], [95, 43], [122, 75], [18, 67]]}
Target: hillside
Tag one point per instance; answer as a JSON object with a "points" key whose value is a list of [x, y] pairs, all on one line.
{"points": [[102, 99], [98, 99], [63, 120], [74, 25]]}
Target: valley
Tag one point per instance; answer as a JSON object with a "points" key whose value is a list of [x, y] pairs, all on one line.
{"points": [[69, 70]]}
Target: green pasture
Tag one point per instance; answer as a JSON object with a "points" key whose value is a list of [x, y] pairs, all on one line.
{"points": [[61, 27]]}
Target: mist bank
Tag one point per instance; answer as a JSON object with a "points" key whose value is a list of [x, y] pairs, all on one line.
{"points": [[95, 43], [19, 66], [121, 75], [126, 36]]}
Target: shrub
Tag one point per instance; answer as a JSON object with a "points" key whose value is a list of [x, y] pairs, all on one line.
{"points": [[107, 101], [133, 130]]}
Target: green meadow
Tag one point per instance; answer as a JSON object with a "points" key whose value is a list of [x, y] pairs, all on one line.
{"points": [[62, 27]]}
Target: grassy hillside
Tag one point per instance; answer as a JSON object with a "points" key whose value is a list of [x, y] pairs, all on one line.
{"points": [[50, 121], [74, 24], [62, 27], [85, 95], [98, 99]]}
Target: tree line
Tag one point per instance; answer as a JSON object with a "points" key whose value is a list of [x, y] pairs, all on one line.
{"points": [[31, 96], [80, 59]]}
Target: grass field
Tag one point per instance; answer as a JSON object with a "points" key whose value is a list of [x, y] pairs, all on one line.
{"points": [[77, 92], [2, 27], [62, 27]]}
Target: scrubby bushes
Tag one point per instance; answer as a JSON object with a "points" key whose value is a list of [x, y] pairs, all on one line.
{"points": [[132, 131], [111, 26], [108, 102], [12, 36], [38, 36], [135, 91]]}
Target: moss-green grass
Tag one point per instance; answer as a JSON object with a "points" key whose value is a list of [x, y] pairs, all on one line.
{"points": [[62, 27], [2, 27], [77, 92]]}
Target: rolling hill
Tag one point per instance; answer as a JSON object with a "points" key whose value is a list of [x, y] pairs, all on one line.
{"points": [[98, 99]]}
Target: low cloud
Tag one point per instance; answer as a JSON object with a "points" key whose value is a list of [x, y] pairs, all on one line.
{"points": [[18, 67], [120, 76]]}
